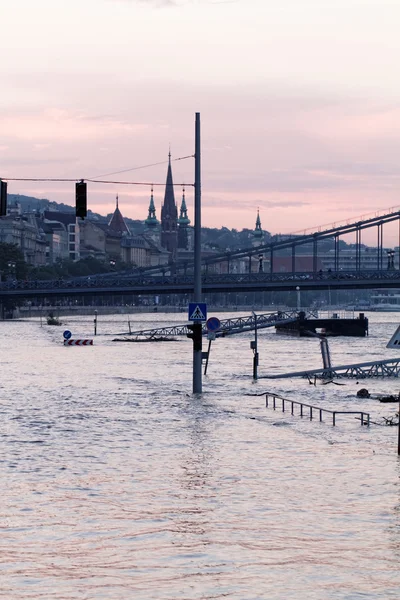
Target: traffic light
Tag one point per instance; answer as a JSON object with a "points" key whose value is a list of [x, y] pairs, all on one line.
{"points": [[196, 335], [80, 199], [3, 198]]}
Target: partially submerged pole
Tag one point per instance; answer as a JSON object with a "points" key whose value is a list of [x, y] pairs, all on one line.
{"points": [[255, 349], [398, 427], [326, 356], [208, 354], [197, 327]]}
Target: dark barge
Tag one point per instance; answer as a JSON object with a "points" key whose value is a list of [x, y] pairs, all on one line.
{"points": [[330, 326]]}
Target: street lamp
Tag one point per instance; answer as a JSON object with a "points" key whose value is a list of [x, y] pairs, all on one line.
{"points": [[260, 263], [390, 254], [298, 297], [11, 268]]}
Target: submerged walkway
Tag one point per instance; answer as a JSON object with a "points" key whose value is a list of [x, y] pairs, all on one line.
{"points": [[375, 368], [228, 326]]}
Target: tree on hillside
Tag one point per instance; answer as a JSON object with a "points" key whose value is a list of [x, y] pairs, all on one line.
{"points": [[12, 262]]}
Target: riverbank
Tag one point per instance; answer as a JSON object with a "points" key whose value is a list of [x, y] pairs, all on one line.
{"points": [[63, 311]]}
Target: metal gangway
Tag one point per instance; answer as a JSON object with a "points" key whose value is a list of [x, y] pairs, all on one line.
{"points": [[229, 326], [365, 370], [364, 416]]}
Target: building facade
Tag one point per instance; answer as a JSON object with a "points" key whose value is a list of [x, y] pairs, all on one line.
{"points": [[23, 231], [72, 225]]}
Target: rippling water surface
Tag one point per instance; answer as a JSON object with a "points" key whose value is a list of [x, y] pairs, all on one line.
{"points": [[117, 483]]}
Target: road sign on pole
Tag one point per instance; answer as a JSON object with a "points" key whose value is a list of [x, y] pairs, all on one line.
{"points": [[213, 324], [197, 311], [67, 334]]}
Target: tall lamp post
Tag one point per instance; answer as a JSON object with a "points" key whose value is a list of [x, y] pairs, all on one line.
{"points": [[390, 255], [11, 269], [260, 263]]}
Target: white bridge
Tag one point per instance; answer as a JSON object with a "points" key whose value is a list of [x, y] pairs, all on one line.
{"points": [[228, 326], [365, 370]]}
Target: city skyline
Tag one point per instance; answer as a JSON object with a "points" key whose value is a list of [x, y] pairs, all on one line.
{"points": [[299, 104]]}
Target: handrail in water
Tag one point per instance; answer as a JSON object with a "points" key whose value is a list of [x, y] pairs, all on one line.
{"points": [[364, 416]]}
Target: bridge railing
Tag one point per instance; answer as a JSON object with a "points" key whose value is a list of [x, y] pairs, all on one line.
{"points": [[99, 282]]}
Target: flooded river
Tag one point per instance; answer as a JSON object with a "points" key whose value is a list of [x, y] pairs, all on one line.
{"points": [[117, 483]]}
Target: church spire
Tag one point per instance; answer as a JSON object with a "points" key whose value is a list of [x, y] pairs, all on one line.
{"points": [[169, 215], [258, 233], [183, 218], [117, 222], [258, 221], [151, 220], [183, 223]]}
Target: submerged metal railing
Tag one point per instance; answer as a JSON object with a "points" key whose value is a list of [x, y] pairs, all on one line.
{"points": [[364, 416]]}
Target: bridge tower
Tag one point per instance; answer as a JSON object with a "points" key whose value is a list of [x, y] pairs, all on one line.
{"points": [[169, 216], [183, 223]]}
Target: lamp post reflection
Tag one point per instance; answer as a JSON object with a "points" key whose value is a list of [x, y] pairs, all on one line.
{"points": [[197, 469]]}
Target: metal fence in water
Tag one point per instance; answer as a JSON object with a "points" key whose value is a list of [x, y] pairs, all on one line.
{"points": [[312, 410]]}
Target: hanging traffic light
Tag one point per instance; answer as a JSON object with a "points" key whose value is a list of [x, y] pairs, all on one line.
{"points": [[3, 198], [80, 199]]}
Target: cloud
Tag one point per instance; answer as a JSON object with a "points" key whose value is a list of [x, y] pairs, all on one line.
{"points": [[295, 153], [154, 2], [60, 124], [175, 3]]}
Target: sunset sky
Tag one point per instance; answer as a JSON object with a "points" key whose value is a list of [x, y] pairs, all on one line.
{"points": [[299, 103]]}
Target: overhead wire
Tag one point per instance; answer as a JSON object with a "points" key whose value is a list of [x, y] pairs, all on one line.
{"points": [[163, 162], [92, 181], [97, 179]]}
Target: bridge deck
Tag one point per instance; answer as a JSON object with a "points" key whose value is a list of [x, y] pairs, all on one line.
{"points": [[150, 286]]}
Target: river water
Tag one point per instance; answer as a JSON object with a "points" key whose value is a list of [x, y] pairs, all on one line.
{"points": [[117, 483]]}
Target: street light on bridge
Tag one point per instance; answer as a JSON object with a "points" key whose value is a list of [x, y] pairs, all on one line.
{"points": [[260, 263], [390, 254], [11, 268]]}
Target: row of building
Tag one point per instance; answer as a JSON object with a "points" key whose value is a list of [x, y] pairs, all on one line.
{"points": [[48, 236]]}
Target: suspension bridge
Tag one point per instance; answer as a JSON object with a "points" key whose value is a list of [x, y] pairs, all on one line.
{"points": [[219, 269]]}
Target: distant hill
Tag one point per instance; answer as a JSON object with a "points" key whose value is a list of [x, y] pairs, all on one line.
{"points": [[30, 203]]}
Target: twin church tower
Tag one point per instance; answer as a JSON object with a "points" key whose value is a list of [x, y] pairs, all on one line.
{"points": [[174, 229], [172, 234]]}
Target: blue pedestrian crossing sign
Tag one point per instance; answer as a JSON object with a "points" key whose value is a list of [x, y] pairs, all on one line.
{"points": [[197, 311]]}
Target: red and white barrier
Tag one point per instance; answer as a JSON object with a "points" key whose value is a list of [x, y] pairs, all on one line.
{"points": [[78, 342]]}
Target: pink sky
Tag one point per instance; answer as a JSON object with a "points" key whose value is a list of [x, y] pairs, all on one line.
{"points": [[299, 102]]}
